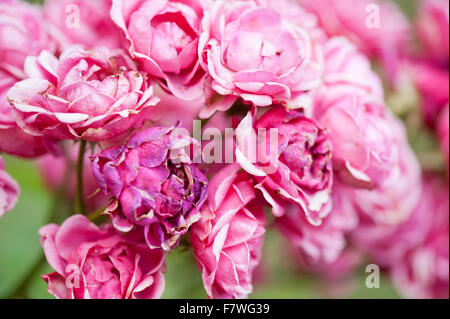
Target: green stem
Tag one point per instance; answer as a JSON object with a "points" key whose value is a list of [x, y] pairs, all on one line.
{"points": [[79, 197]]}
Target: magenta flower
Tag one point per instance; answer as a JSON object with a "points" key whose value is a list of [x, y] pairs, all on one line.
{"points": [[154, 183], [99, 263], [251, 52], [228, 239], [164, 36], [92, 95], [433, 28], [84, 22], [9, 190], [294, 164]]}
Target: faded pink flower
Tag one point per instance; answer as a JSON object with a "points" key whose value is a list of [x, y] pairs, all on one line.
{"points": [[292, 161], [251, 52], [92, 95], [154, 183], [99, 263], [163, 36], [228, 239], [60, 172], [9, 190], [85, 22], [443, 133], [22, 33], [318, 247], [432, 25], [377, 28]]}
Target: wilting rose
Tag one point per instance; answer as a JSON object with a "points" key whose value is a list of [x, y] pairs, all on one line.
{"points": [[85, 22], [22, 33], [291, 161], [92, 95], [378, 28], [164, 36], [318, 247], [251, 52], [100, 263], [154, 183], [9, 190], [59, 172], [432, 26], [443, 133], [228, 239]]}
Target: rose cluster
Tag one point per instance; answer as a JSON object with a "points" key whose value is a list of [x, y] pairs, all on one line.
{"points": [[103, 95]]}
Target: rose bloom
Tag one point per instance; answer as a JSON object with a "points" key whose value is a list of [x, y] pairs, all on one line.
{"points": [[294, 164], [251, 52], [9, 190], [386, 202], [164, 36], [443, 133], [84, 22], [318, 247], [100, 263], [432, 25], [228, 239], [58, 172], [91, 95], [377, 28], [12, 139], [22, 33], [155, 185]]}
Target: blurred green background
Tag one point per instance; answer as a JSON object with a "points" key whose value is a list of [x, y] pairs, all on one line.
{"points": [[20, 250]]}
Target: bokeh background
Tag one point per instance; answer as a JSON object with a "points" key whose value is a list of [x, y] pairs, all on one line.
{"points": [[279, 277]]}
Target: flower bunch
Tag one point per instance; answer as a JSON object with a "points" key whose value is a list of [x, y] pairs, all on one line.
{"points": [[191, 122]]}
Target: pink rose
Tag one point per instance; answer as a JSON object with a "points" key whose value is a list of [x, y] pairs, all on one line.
{"points": [[155, 185], [378, 28], [443, 133], [363, 133], [388, 243], [228, 239], [91, 95], [395, 197], [251, 52], [84, 22], [9, 190], [22, 33], [298, 168], [99, 263], [433, 28], [58, 172], [163, 36], [318, 247], [12, 139]]}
